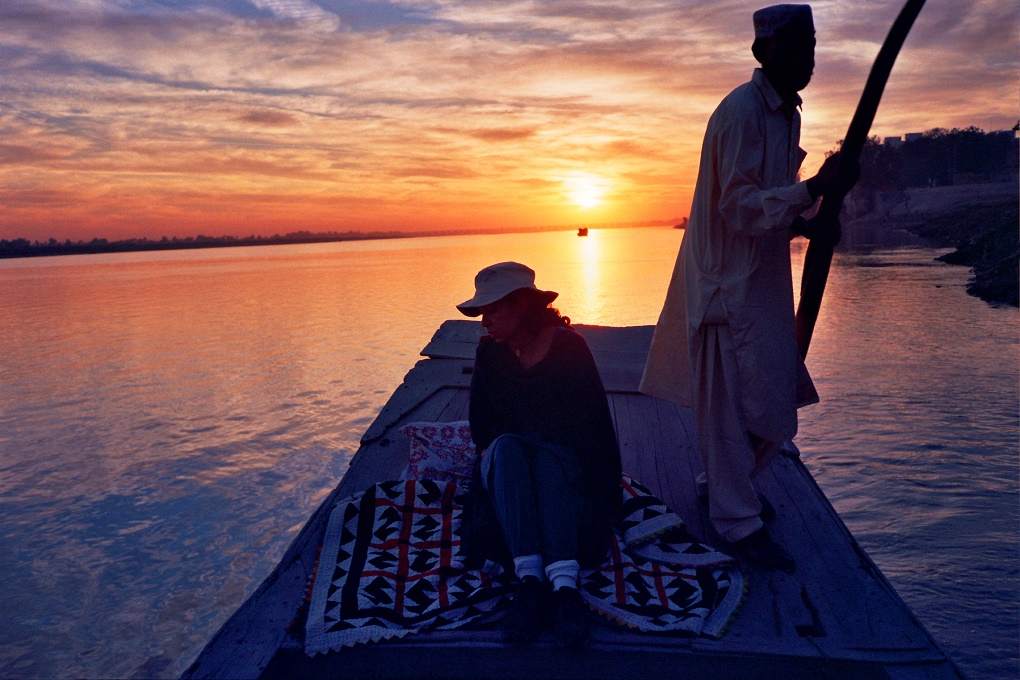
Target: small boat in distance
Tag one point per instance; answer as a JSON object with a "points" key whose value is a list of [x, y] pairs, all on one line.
{"points": [[682, 224], [583, 231]]}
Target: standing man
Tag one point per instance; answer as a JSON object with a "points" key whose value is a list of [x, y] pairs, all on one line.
{"points": [[725, 342]]}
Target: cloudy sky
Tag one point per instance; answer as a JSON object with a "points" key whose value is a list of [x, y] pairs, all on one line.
{"points": [[127, 118]]}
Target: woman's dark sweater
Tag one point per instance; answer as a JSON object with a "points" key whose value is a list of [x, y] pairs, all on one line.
{"points": [[560, 400]]}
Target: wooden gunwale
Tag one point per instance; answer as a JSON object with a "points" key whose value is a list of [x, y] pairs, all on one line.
{"points": [[837, 616]]}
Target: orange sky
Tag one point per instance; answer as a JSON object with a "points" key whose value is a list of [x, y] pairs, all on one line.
{"points": [[129, 118]]}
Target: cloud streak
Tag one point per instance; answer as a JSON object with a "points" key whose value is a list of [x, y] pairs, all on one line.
{"points": [[129, 119]]}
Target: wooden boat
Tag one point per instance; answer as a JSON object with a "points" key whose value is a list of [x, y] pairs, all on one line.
{"points": [[836, 617]]}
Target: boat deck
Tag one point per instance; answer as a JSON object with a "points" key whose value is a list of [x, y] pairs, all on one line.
{"points": [[836, 616]]}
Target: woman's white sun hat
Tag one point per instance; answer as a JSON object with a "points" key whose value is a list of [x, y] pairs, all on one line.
{"points": [[495, 282]]}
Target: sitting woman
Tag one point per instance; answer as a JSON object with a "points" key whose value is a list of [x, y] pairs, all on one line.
{"points": [[546, 487]]}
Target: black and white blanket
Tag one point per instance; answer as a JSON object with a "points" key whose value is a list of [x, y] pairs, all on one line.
{"points": [[390, 566]]}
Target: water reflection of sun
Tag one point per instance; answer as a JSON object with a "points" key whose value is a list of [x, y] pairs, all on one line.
{"points": [[589, 253]]}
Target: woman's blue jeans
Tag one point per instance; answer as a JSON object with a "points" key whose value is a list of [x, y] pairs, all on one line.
{"points": [[533, 487]]}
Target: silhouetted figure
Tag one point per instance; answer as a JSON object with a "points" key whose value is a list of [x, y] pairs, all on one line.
{"points": [[725, 342], [546, 487]]}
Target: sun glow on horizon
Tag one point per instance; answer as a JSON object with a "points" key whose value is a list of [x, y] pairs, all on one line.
{"points": [[586, 190], [209, 117]]}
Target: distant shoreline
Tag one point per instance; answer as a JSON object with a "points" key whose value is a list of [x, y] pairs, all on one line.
{"points": [[21, 248]]}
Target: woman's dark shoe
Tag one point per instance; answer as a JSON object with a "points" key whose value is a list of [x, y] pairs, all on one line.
{"points": [[572, 625], [524, 620], [760, 550]]}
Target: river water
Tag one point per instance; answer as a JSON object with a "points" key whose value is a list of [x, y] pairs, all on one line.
{"points": [[169, 420]]}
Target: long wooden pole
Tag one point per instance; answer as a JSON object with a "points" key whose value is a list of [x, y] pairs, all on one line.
{"points": [[819, 253]]}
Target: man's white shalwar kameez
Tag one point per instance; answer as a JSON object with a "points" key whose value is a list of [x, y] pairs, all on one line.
{"points": [[725, 342]]}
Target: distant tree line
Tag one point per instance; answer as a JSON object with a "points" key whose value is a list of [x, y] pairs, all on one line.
{"points": [[940, 157], [21, 247]]}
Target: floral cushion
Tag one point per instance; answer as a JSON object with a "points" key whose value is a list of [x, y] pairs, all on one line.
{"points": [[440, 451]]}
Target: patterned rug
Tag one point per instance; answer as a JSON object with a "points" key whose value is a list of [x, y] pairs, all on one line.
{"points": [[658, 577], [656, 597], [390, 566]]}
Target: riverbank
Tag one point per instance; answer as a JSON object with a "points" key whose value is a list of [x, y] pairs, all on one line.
{"points": [[986, 240], [979, 221]]}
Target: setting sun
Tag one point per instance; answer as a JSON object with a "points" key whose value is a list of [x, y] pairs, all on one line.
{"points": [[129, 120], [585, 189]]}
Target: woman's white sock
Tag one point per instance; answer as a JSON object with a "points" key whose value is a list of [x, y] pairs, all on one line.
{"points": [[529, 565], [563, 574]]}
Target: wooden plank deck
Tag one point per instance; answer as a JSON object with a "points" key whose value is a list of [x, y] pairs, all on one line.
{"points": [[837, 616]]}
